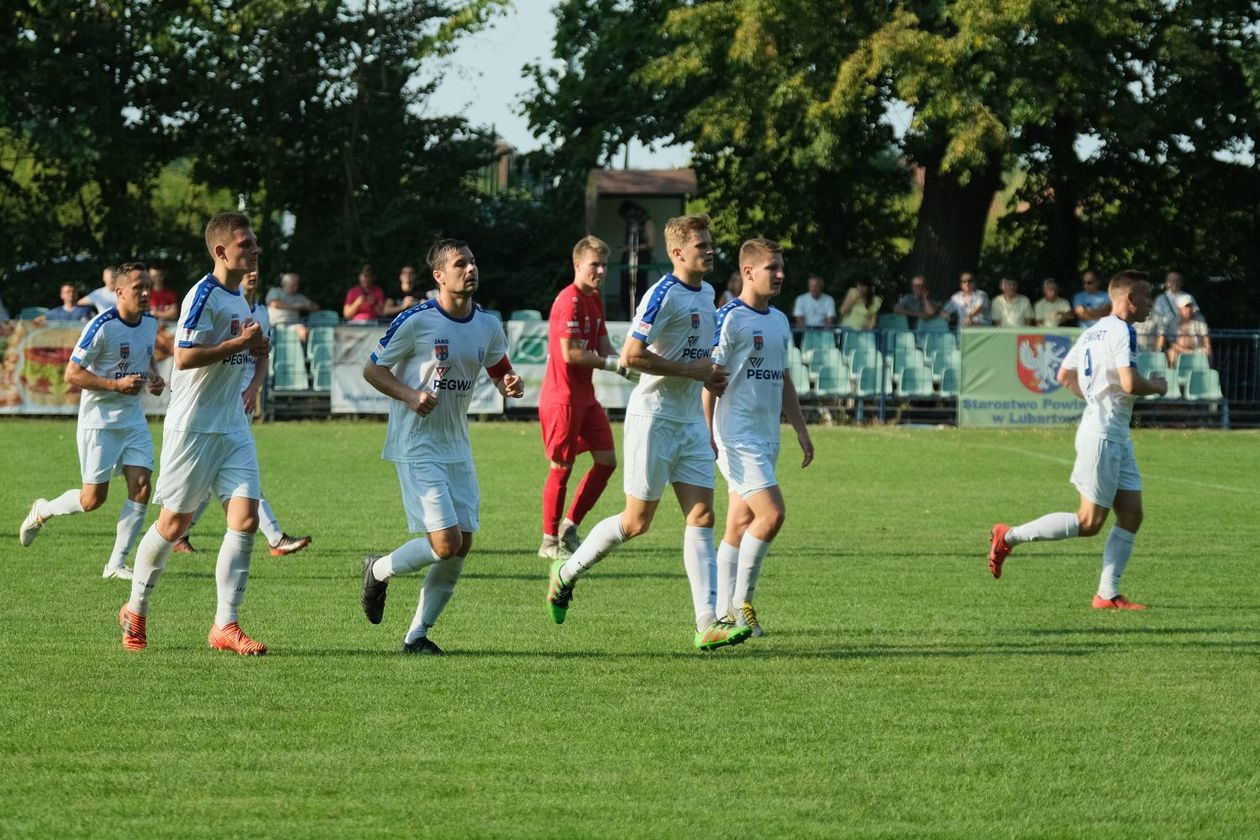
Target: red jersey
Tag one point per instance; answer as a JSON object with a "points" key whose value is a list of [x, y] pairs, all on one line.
{"points": [[573, 316]]}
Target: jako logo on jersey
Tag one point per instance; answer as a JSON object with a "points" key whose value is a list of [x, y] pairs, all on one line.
{"points": [[1037, 360], [695, 320], [758, 341], [442, 349], [124, 350], [236, 326]]}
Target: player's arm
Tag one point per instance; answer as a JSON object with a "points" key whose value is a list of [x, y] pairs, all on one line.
{"points": [[506, 380], [250, 395], [383, 379], [635, 354], [156, 383], [81, 377], [792, 411], [1135, 384], [251, 339], [1068, 376]]}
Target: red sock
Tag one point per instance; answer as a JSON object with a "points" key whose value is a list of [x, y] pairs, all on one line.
{"points": [[553, 499], [593, 484]]}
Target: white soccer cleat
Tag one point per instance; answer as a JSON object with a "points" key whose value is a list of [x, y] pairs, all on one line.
{"points": [[31, 524], [117, 572]]}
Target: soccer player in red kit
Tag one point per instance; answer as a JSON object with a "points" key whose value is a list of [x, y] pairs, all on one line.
{"points": [[572, 419]]}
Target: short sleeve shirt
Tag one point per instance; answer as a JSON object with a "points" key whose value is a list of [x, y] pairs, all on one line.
{"points": [[285, 316], [676, 322], [1051, 313], [208, 399], [111, 348], [1016, 313], [754, 347], [860, 315], [961, 304], [815, 310], [378, 295], [102, 298], [1097, 357], [1089, 300], [74, 313], [580, 318]]}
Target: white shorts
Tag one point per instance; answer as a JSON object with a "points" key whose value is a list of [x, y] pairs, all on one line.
{"points": [[104, 452], [1103, 467], [437, 496], [660, 452], [195, 464], [748, 466]]}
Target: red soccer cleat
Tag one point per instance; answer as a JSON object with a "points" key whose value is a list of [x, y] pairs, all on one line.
{"points": [[134, 634], [183, 546], [233, 638], [1117, 603], [998, 549]]}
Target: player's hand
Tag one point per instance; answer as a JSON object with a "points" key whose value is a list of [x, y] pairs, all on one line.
{"points": [[423, 403], [129, 385], [512, 385], [629, 373], [807, 448], [252, 336], [716, 380], [1161, 384], [156, 385], [250, 398]]}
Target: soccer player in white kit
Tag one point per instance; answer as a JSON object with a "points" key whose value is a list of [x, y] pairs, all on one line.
{"points": [[752, 343], [1101, 369], [428, 362], [206, 445], [666, 440], [111, 362]]}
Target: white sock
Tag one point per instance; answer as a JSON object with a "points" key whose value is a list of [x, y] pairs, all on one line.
{"points": [[698, 560], [439, 585], [267, 523], [150, 561], [130, 521], [231, 572], [408, 557], [1115, 557], [64, 505], [196, 517], [727, 565], [1052, 526], [751, 552], [603, 538]]}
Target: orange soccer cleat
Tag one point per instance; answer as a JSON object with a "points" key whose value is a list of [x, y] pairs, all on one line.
{"points": [[1117, 603], [232, 637], [134, 634], [998, 549]]}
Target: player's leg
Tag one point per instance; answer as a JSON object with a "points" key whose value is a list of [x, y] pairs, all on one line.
{"points": [[99, 451], [559, 433], [453, 548], [279, 542], [130, 520], [595, 437], [1119, 545], [769, 512], [738, 517], [183, 545], [236, 481]]}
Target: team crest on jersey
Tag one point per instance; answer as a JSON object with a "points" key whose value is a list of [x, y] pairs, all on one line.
{"points": [[124, 350], [758, 341], [1037, 360], [236, 326], [442, 349], [695, 320]]}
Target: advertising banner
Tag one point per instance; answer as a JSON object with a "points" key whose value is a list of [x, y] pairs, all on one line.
{"points": [[1009, 378], [527, 341]]}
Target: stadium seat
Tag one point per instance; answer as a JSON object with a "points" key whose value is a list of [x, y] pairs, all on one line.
{"points": [[1187, 362], [949, 382], [943, 360], [290, 376], [795, 356], [1174, 386], [319, 344], [525, 315], [817, 340], [916, 381], [833, 374], [1204, 385], [1149, 362], [862, 359], [801, 378], [868, 382], [30, 313], [936, 342], [322, 376], [892, 323], [323, 318], [932, 325], [853, 340]]}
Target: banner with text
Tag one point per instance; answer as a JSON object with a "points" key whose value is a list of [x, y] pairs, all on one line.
{"points": [[1009, 378], [527, 341]]}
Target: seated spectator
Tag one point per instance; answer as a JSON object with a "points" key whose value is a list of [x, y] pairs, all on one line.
{"points": [[163, 302], [969, 305], [1151, 333], [365, 303], [860, 308], [1191, 332], [1166, 304], [1011, 309], [815, 309], [916, 305], [104, 297], [734, 285], [69, 309], [1052, 310], [287, 307], [406, 293], [1092, 302]]}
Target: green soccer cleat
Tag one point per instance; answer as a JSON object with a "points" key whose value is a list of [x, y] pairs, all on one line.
{"points": [[559, 594], [720, 634]]}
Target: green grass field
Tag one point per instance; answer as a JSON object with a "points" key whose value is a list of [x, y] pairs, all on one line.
{"points": [[900, 690]]}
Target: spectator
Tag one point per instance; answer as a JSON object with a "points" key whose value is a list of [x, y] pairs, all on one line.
{"points": [[916, 305], [733, 287], [814, 310], [69, 309], [163, 302], [104, 297], [1191, 335], [1166, 304], [1052, 310], [365, 303], [406, 292], [1011, 309], [1150, 333], [860, 307], [287, 307], [969, 305], [1091, 303]]}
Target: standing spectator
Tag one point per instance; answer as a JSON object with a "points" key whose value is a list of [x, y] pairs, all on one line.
{"points": [[1191, 333], [366, 301], [1011, 309], [1052, 310], [287, 307], [860, 307], [104, 297], [69, 310], [1091, 303], [163, 302], [406, 292], [814, 310], [969, 305], [732, 290], [916, 305], [1166, 308]]}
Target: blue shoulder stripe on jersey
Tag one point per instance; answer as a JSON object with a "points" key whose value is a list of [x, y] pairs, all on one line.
{"points": [[204, 290], [401, 318], [721, 318], [451, 317], [89, 332], [1133, 347], [653, 309]]}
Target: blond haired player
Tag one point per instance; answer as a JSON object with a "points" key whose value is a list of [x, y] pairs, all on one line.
{"points": [[752, 342], [667, 442], [111, 361], [206, 444], [1101, 369]]}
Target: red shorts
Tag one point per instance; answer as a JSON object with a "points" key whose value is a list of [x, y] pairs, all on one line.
{"points": [[569, 430]]}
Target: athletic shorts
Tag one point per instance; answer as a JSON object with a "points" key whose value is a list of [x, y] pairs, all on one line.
{"points": [[660, 452], [437, 496], [1103, 467], [748, 466], [195, 464], [104, 452], [570, 430]]}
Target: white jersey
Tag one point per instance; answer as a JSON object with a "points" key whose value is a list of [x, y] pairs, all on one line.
{"points": [[103, 299], [753, 347], [676, 322], [111, 348], [429, 350], [1097, 356], [258, 312], [208, 399]]}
